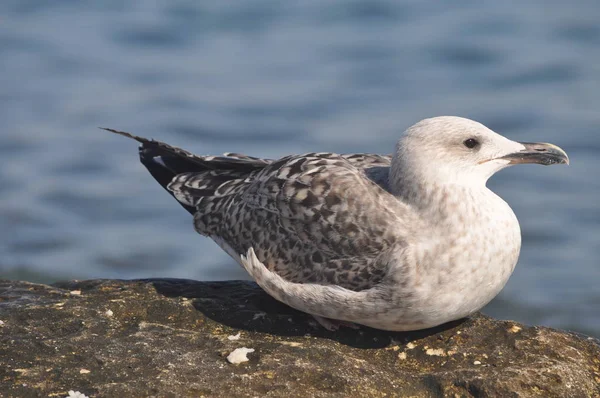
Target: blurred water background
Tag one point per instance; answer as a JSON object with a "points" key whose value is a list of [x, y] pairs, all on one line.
{"points": [[270, 78]]}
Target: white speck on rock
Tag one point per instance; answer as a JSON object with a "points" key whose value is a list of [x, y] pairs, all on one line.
{"points": [[84, 371], [234, 337], [76, 394], [410, 346], [239, 355], [108, 313], [438, 352], [477, 363], [291, 343], [76, 292], [402, 356]]}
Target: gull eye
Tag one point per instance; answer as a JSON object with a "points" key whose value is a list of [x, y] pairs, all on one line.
{"points": [[471, 143]]}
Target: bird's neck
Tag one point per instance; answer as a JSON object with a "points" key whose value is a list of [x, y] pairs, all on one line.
{"points": [[443, 199]]}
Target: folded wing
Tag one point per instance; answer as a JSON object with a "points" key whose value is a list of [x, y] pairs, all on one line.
{"points": [[313, 218]]}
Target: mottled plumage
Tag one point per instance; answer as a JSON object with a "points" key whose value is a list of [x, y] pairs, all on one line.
{"points": [[397, 242], [305, 215]]}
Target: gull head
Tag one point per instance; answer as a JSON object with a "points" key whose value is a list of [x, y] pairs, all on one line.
{"points": [[455, 150]]}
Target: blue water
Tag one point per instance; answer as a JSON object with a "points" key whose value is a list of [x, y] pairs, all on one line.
{"points": [[270, 78]]}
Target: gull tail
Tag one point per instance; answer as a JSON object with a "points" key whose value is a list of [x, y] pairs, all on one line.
{"points": [[172, 167]]}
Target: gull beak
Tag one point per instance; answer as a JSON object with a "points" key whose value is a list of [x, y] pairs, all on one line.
{"points": [[538, 152]]}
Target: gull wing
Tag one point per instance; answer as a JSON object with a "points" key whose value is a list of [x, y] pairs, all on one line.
{"points": [[313, 218], [310, 218]]}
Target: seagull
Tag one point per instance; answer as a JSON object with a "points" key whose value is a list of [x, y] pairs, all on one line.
{"points": [[397, 242]]}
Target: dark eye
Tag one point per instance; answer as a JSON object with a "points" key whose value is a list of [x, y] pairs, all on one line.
{"points": [[471, 143]]}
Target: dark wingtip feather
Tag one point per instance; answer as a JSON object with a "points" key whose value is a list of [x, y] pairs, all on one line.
{"points": [[126, 134], [165, 162]]}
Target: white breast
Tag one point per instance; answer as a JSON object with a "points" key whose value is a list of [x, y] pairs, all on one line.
{"points": [[469, 261]]}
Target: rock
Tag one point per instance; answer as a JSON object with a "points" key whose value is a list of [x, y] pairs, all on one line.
{"points": [[239, 355], [170, 338]]}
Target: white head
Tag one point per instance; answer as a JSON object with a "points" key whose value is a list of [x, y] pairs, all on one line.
{"points": [[454, 150]]}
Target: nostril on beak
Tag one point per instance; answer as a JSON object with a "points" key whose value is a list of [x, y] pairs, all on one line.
{"points": [[541, 150]]}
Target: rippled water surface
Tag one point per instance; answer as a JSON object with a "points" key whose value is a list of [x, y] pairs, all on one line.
{"points": [[270, 78]]}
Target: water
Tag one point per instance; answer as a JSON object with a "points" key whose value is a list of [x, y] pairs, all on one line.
{"points": [[271, 78]]}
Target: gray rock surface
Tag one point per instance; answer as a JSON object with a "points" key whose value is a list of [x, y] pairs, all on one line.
{"points": [[171, 338]]}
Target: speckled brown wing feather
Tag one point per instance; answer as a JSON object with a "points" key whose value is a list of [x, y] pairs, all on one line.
{"points": [[367, 160], [319, 217], [310, 218]]}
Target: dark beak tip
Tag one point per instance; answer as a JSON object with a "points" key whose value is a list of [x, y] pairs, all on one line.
{"points": [[541, 153], [564, 159]]}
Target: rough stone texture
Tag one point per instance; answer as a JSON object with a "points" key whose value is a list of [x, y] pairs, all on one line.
{"points": [[171, 338]]}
